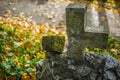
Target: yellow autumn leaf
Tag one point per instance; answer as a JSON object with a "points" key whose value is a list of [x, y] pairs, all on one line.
{"points": [[19, 64], [115, 11], [24, 74], [105, 51], [41, 29], [96, 8], [41, 55], [86, 49], [96, 49], [16, 59], [28, 56]]}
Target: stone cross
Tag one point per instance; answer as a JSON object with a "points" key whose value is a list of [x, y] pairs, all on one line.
{"points": [[80, 35]]}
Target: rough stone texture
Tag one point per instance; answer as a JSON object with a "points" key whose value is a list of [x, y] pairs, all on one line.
{"points": [[96, 40], [75, 27], [88, 67], [111, 63], [108, 75], [95, 61], [78, 36], [53, 43], [118, 71], [56, 67]]}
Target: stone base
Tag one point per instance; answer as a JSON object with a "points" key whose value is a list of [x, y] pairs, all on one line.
{"points": [[88, 67]]}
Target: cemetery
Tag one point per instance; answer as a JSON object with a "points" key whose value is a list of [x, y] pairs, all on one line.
{"points": [[59, 40]]}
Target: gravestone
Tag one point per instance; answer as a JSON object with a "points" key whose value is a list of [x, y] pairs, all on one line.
{"points": [[80, 34]]}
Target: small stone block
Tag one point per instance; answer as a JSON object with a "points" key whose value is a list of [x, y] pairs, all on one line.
{"points": [[53, 43]]}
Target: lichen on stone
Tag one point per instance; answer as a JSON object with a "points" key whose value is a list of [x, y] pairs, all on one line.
{"points": [[53, 43]]}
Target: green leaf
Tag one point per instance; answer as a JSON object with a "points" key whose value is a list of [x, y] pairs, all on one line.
{"points": [[30, 71]]}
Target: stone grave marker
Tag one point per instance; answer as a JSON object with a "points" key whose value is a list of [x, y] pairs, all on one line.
{"points": [[80, 34]]}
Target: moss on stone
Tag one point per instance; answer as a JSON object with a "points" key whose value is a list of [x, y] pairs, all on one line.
{"points": [[53, 43], [75, 19]]}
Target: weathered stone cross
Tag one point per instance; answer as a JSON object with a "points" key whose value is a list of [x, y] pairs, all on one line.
{"points": [[80, 35]]}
